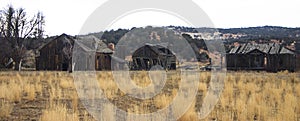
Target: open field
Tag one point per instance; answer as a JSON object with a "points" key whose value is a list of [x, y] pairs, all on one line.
{"points": [[51, 96]]}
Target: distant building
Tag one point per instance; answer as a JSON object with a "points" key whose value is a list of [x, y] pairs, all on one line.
{"points": [[297, 49], [150, 55], [270, 57]]}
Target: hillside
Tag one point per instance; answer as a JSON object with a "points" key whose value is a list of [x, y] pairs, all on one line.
{"points": [[262, 34]]}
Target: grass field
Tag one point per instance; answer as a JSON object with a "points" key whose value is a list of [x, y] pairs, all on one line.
{"points": [[51, 96]]}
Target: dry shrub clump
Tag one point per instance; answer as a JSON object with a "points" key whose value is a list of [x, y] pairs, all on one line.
{"points": [[5, 109]]}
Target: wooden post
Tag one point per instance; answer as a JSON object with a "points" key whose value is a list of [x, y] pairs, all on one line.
{"points": [[97, 63], [249, 61], [235, 62]]}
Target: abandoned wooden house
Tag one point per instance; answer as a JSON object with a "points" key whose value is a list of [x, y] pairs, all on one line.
{"points": [[270, 57], [153, 54], [57, 54]]}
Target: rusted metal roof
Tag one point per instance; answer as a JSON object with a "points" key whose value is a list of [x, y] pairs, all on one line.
{"points": [[286, 51], [235, 49], [270, 48]]}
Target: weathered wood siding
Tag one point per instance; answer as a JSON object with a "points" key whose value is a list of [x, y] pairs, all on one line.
{"points": [[103, 61], [51, 56], [279, 59], [254, 60]]}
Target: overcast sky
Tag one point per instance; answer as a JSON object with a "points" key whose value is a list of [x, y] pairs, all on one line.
{"points": [[67, 16]]}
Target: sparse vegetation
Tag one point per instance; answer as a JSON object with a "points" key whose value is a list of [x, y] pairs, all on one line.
{"points": [[247, 96]]}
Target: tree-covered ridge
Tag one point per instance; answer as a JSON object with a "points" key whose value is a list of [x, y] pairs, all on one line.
{"points": [[261, 33]]}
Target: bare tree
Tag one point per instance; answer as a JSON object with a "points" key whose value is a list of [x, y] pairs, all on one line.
{"points": [[16, 26]]}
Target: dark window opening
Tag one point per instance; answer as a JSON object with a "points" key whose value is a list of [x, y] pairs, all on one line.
{"points": [[138, 61], [65, 66], [173, 66], [155, 61]]}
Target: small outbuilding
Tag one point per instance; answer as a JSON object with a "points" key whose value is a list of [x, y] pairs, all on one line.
{"points": [[153, 54]]}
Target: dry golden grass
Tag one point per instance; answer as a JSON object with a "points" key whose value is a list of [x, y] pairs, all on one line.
{"points": [[246, 96], [5, 109], [12, 91], [190, 115], [142, 79], [29, 90], [162, 101], [59, 112]]}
